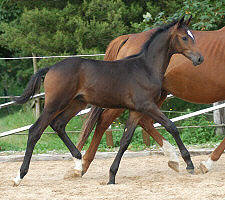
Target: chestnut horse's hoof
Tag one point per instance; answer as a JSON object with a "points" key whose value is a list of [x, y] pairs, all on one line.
{"points": [[203, 168], [73, 174], [174, 165]]}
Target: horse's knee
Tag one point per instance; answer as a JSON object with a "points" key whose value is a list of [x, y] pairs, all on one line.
{"points": [[34, 135], [58, 126]]}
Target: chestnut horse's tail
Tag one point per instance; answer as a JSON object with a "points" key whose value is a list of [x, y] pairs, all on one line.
{"points": [[95, 113], [89, 124], [33, 85], [114, 47]]}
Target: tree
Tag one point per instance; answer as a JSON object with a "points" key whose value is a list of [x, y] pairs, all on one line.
{"points": [[207, 14], [64, 28]]}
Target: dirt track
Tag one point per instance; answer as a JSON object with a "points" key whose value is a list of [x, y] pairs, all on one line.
{"points": [[138, 178]]}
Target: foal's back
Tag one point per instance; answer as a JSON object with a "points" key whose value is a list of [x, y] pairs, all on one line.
{"points": [[88, 79]]}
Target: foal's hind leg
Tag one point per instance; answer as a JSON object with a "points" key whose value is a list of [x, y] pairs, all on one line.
{"points": [[59, 125], [131, 124], [35, 133]]}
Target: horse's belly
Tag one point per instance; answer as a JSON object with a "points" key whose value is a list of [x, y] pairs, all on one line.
{"points": [[196, 85]]}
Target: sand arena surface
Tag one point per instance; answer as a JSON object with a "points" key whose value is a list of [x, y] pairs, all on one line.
{"points": [[139, 178]]}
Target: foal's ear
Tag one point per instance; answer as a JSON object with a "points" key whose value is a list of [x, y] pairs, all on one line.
{"points": [[180, 23], [188, 21]]}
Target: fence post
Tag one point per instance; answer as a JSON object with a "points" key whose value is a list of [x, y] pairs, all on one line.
{"points": [[37, 101], [219, 118], [109, 137]]}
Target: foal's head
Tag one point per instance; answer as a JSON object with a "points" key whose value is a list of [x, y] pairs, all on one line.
{"points": [[183, 41]]}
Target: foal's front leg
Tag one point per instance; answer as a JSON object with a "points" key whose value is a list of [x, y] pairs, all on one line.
{"points": [[154, 112], [131, 124]]}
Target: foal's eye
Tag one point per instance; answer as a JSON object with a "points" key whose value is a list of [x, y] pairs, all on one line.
{"points": [[184, 38]]}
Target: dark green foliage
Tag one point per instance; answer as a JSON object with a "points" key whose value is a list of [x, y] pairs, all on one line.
{"points": [[207, 14], [59, 28]]}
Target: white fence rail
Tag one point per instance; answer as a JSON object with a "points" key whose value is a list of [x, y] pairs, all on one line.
{"points": [[196, 113], [4, 105]]}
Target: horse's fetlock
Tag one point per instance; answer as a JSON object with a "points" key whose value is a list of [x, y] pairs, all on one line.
{"points": [[185, 154], [23, 173], [79, 156], [113, 170]]}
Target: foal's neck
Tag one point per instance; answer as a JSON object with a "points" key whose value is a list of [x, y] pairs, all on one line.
{"points": [[159, 54]]}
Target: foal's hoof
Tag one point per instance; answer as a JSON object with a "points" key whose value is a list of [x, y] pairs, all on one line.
{"points": [[203, 168], [73, 174], [16, 182], [174, 165], [191, 171], [111, 183]]}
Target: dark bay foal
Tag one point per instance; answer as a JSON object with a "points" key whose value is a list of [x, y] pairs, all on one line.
{"points": [[133, 83]]}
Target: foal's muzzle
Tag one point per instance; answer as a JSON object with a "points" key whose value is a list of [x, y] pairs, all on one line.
{"points": [[196, 59]]}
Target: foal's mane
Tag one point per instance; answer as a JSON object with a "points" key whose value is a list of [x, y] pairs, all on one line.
{"points": [[152, 37]]}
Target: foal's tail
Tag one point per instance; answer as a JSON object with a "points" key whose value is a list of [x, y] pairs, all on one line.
{"points": [[114, 47], [33, 85]]}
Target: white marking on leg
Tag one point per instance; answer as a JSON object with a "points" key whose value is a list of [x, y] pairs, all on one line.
{"points": [[17, 180], [169, 151], [209, 163], [78, 164]]}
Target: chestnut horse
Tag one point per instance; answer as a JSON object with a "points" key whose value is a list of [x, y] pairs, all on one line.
{"points": [[203, 85], [132, 83]]}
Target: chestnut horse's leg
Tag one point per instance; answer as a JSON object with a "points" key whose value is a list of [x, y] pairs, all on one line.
{"points": [[206, 166], [59, 125], [131, 124], [107, 117]]}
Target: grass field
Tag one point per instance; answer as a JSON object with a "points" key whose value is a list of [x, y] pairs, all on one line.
{"points": [[49, 142]]}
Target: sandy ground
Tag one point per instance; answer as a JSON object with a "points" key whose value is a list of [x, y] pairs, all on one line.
{"points": [[138, 178]]}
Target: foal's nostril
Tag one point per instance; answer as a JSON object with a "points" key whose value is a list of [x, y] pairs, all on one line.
{"points": [[200, 59]]}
